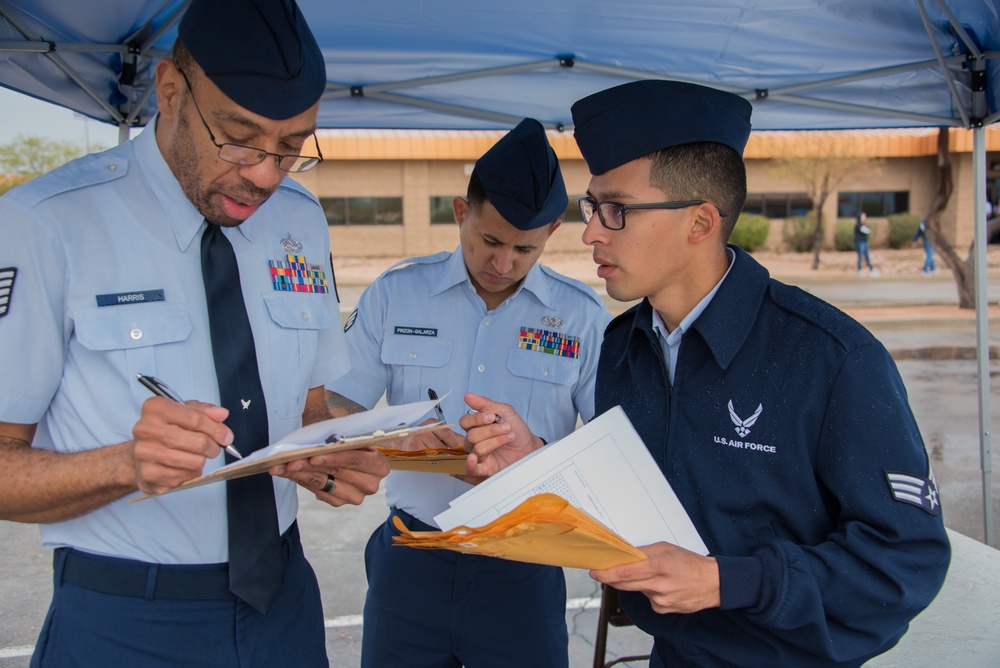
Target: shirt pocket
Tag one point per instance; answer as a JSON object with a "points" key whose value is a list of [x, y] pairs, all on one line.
{"points": [[545, 381], [417, 363], [292, 347], [143, 339]]}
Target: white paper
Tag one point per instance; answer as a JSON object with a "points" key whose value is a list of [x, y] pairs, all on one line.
{"points": [[604, 469], [387, 418]]}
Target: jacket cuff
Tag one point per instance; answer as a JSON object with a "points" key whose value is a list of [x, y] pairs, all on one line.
{"points": [[740, 581]]}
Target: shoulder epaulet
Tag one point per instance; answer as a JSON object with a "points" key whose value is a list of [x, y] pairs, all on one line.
{"points": [[822, 315], [572, 282], [291, 184], [423, 259], [86, 171]]}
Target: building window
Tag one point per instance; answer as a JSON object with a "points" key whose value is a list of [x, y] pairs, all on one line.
{"points": [[363, 210], [872, 203], [442, 212], [777, 205]]}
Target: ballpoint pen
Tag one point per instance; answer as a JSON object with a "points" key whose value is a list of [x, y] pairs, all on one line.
{"points": [[161, 389], [496, 417], [433, 396]]}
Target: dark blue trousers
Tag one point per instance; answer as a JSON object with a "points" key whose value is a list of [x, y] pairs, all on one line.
{"points": [[441, 609], [89, 628]]}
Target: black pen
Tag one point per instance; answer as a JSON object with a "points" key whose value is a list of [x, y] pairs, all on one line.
{"points": [[161, 389], [433, 396]]}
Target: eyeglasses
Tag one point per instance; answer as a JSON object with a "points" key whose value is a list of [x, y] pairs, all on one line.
{"points": [[612, 214], [248, 155]]}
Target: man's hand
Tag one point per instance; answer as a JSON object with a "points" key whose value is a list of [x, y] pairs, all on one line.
{"points": [[172, 441], [356, 474], [492, 445], [672, 578]]}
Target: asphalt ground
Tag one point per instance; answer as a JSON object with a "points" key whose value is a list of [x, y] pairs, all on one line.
{"points": [[943, 394]]}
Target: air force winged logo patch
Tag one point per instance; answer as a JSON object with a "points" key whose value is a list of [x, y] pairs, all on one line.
{"points": [[917, 491], [743, 426]]}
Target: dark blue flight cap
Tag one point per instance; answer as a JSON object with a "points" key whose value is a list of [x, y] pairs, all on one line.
{"points": [[630, 121], [260, 53], [521, 177]]}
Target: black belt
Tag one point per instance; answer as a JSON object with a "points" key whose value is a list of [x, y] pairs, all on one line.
{"points": [[139, 579]]}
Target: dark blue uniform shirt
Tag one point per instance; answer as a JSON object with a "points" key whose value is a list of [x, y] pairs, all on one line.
{"points": [[788, 437]]}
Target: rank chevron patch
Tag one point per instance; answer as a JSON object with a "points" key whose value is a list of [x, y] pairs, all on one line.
{"points": [[917, 491]]}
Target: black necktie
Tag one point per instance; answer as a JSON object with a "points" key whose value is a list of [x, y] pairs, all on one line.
{"points": [[256, 563]]}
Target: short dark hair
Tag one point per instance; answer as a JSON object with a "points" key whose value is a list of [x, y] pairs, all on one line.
{"points": [[703, 170], [183, 59], [476, 193]]}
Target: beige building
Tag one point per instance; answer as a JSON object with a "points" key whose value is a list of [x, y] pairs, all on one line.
{"points": [[388, 192]]}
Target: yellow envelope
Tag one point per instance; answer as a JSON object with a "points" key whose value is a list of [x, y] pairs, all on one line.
{"points": [[544, 529], [427, 460]]}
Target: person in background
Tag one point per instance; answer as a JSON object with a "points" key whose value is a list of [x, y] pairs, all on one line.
{"points": [[485, 318], [921, 235], [862, 232], [781, 423], [168, 256]]}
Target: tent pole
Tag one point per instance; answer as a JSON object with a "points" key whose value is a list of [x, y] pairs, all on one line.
{"points": [[982, 325], [122, 132]]}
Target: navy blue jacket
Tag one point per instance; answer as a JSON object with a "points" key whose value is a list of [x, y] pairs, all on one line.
{"points": [[788, 437]]}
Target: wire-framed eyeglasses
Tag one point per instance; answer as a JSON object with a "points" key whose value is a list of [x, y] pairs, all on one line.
{"points": [[249, 155], [612, 214]]}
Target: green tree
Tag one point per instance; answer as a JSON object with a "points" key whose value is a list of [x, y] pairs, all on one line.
{"points": [[28, 156]]}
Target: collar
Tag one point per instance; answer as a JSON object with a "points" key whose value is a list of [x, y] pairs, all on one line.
{"points": [[184, 218], [456, 273], [674, 337], [727, 314]]}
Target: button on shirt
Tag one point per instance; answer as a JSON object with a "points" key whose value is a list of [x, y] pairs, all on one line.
{"points": [[422, 326], [108, 286]]}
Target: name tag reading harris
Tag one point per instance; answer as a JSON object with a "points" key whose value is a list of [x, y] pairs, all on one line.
{"points": [[122, 298], [416, 331]]}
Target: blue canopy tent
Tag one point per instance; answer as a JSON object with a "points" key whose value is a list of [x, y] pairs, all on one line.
{"points": [[455, 64]]}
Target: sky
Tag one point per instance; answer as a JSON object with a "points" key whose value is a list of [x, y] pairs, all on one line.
{"points": [[23, 115]]}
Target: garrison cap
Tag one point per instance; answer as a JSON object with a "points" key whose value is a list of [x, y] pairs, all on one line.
{"points": [[630, 121], [260, 53], [521, 177]]}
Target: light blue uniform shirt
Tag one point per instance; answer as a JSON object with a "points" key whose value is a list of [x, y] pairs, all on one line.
{"points": [[422, 326], [107, 254]]}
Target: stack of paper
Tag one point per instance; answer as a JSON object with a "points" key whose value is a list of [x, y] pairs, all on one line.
{"points": [[544, 529]]}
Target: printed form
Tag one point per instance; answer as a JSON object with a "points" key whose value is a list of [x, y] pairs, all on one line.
{"points": [[605, 470]]}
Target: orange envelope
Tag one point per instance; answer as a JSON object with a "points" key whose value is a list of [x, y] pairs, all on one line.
{"points": [[544, 529], [428, 460]]}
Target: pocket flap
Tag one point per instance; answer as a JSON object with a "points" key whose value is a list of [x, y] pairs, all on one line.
{"points": [[416, 351], [543, 366], [132, 325], [298, 311]]}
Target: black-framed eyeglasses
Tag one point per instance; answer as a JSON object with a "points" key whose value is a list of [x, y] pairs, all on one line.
{"points": [[248, 155], [612, 214]]}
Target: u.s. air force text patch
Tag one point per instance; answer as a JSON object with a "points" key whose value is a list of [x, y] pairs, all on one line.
{"points": [[7, 275], [913, 489]]}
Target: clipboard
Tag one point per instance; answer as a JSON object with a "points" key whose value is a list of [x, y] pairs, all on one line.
{"points": [[351, 432], [430, 460]]}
